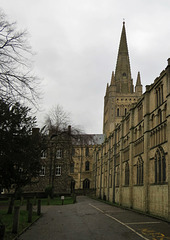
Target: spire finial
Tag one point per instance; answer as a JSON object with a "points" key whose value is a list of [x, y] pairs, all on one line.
{"points": [[123, 21], [123, 71]]}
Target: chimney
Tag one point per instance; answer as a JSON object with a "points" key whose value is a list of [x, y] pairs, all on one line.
{"points": [[69, 130]]}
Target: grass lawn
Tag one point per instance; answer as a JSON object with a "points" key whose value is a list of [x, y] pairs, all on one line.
{"points": [[7, 219], [44, 201], [57, 201]]}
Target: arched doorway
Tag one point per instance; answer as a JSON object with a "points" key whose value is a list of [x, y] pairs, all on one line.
{"points": [[86, 184]]}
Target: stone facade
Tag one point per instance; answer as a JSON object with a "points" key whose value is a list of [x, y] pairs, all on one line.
{"points": [[67, 163], [81, 169], [132, 166], [120, 94], [55, 162], [129, 164]]}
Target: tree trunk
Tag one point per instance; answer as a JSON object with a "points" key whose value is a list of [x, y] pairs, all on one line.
{"points": [[11, 205]]}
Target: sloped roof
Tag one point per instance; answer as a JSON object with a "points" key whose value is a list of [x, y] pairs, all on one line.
{"points": [[88, 139]]}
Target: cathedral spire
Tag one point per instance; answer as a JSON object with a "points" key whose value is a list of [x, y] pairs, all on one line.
{"points": [[138, 82], [120, 92], [123, 72], [138, 87], [112, 79], [107, 88]]}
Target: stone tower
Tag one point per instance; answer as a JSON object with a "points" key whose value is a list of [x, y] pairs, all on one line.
{"points": [[120, 92]]}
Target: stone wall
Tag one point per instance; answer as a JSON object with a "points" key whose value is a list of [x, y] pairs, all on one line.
{"points": [[136, 153]]}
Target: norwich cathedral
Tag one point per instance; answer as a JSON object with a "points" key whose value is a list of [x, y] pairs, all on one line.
{"points": [[129, 163], [132, 166]]}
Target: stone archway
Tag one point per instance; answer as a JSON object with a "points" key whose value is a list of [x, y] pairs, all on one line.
{"points": [[86, 184]]}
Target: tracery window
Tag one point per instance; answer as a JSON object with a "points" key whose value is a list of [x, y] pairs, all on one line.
{"points": [[159, 95], [86, 184], [160, 166]]}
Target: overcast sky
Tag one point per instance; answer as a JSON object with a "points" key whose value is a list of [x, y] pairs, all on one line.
{"points": [[76, 44]]}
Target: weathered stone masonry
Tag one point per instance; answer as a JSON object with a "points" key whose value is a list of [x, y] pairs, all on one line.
{"points": [[132, 166]]}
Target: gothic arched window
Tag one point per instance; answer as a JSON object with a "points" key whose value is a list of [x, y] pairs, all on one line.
{"points": [[127, 174], [159, 116], [160, 166], [87, 166], [86, 184], [87, 151], [140, 130], [125, 111], [140, 171], [153, 121]]}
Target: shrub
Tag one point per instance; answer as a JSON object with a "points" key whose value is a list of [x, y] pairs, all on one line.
{"points": [[49, 191]]}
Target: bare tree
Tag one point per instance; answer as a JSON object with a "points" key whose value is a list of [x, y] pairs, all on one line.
{"points": [[57, 119], [62, 139], [16, 79]]}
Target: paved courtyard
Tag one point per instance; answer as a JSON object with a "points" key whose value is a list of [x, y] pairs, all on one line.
{"points": [[89, 219]]}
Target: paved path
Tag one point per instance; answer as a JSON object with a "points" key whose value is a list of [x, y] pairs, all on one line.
{"points": [[93, 220]]}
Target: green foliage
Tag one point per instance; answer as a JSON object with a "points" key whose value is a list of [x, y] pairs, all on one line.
{"points": [[19, 193], [49, 191], [7, 220], [19, 148]]}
